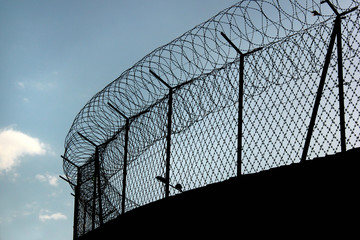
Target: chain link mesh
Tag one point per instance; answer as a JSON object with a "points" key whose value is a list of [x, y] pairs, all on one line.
{"points": [[280, 86]]}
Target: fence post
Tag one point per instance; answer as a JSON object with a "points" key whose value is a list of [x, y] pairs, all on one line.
{"points": [[319, 93], [340, 71], [127, 128], [341, 78], [97, 183], [168, 144], [341, 86], [241, 97], [336, 33], [168, 136], [240, 113], [76, 195], [76, 204]]}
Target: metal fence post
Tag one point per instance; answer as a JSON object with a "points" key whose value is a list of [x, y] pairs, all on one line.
{"points": [[336, 33], [319, 93], [340, 70], [127, 128], [168, 144], [241, 97], [76, 204], [240, 113], [76, 195], [341, 85], [98, 181], [168, 136], [93, 215], [341, 77]]}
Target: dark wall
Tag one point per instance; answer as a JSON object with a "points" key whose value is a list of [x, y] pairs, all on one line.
{"points": [[316, 198]]}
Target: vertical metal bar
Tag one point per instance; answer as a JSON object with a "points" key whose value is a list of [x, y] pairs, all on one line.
{"points": [[240, 111], [76, 196], [76, 204], [94, 202], [341, 85], [168, 145], [241, 98], [241, 90], [98, 182], [168, 137], [127, 128], [319, 93]]}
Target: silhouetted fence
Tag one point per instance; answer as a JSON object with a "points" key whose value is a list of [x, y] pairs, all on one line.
{"points": [[260, 85]]}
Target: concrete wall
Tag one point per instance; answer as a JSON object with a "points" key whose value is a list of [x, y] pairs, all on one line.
{"points": [[317, 198]]}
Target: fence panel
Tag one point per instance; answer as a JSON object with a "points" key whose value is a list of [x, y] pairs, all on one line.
{"points": [[172, 121]]}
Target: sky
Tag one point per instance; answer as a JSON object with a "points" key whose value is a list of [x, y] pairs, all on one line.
{"points": [[54, 56]]}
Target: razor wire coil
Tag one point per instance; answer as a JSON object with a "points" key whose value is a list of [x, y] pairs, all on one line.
{"points": [[280, 84]]}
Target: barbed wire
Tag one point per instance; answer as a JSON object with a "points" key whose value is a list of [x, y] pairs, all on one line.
{"points": [[202, 70]]}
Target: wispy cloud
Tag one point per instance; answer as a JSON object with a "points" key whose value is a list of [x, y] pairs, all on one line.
{"points": [[44, 85], [14, 145], [50, 179], [10, 215], [45, 215], [21, 84]]}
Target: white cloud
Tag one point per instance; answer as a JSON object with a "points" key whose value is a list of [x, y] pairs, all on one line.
{"points": [[46, 216], [21, 84], [50, 179], [44, 85], [14, 145]]}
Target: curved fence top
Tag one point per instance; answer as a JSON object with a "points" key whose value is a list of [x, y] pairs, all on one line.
{"points": [[251, 24], [201, 68]]}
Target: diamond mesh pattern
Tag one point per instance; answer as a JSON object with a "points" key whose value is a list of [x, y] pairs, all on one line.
{"points": [[280, 86]]}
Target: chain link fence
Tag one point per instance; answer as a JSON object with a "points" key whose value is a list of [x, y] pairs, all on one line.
{"points": [[171, 122]]}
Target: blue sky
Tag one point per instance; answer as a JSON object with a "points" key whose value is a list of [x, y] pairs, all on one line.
{"points": [[54, 56]]}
